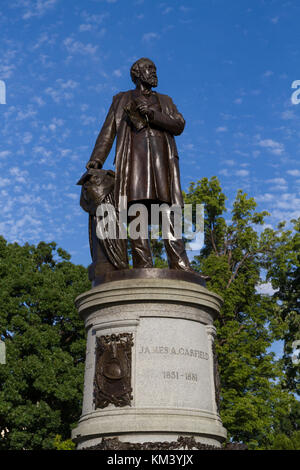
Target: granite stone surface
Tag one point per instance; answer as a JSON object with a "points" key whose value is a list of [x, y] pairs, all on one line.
{"points": [[172, 368]]}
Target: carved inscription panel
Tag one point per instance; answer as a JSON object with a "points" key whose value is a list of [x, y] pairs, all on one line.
{"points": [[173, 364]]}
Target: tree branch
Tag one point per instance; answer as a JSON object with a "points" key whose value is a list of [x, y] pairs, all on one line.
{"points": [[213, 241], [234, 274]]}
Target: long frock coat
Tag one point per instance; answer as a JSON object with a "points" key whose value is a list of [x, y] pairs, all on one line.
{"points": [[117, 125]]}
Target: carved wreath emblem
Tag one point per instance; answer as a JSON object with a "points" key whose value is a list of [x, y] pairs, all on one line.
{"points": [[113, 370]]}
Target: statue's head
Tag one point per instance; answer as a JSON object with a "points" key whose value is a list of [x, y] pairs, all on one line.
{"points": [[144, 70]]}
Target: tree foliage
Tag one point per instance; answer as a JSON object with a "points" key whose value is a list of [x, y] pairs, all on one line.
{"points": [[59, 444], [236, 252], [284, 274], [41, 384]]}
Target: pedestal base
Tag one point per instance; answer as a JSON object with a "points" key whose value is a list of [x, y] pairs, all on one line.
{"points": [[151, 374]]}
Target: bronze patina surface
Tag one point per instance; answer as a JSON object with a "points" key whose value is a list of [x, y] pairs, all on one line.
{"points": [[112, 382], [144, 124], [151, 273]]}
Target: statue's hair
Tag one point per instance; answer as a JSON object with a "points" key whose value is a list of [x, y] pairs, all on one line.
{"points": [[135, 70]]}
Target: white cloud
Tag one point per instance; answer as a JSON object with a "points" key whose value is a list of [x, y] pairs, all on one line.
{"points": [[280, 181], [87, 120], [188, 146], [148, 37], [61, 91], [286, 215], [274, 20], [184, 9], [293, 172], [282, 206], [40, 150], [38, 8], [268, 73], [85, 27], [27, 138], [92, 18], [286, 206], [274, 147], [265, 288], [243, 154], [5, 153], [18, 174], [53, 93], [4, 182], [78, 47], [27, 219], [91, 27], [242, 173], [167, 10], [73, 196], [44, 38], [278, 184], [221, 129], [227, 116], [38, 100], [25, 114], [289, 114], [6, 71], [267, 197], [117, 73], [67, 84], [54, 124], [49, 187], [65, 152], [50, 174]]}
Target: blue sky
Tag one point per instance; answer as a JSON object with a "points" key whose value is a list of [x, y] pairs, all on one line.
{"points": [[227, 64]]}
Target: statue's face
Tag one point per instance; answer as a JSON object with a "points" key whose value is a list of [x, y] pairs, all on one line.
{"points": [[148, 73]]}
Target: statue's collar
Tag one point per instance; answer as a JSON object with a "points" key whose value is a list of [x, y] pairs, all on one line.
{"points": [[137, 92]]}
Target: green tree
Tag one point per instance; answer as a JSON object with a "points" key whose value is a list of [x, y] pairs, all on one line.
{"points": [[157, 249], [41, 384], [284, 273], [283, 442], [235, 252], [287, 432], [59, 444]]}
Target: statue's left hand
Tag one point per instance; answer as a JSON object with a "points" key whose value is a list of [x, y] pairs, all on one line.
{"points": [[93, 164]]}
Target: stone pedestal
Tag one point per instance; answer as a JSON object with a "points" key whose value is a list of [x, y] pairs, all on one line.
{"points": [[150, 373]]}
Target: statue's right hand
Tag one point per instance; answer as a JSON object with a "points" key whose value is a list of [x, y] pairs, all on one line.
{"points": [[93, 164]]}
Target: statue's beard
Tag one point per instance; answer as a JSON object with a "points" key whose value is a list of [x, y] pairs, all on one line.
{"points": [[152, 80]]}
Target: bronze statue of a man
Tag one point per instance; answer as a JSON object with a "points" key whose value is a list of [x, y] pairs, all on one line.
{"points": [[144, 124]]}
